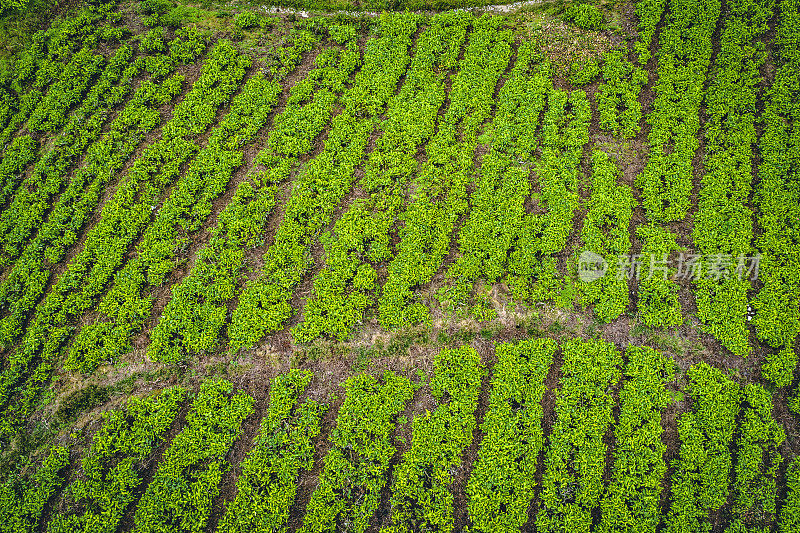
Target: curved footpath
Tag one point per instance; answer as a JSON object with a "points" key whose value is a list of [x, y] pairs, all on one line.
{"points": [[492, 8]]}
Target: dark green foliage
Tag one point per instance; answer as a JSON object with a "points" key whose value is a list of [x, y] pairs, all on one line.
{"points": [[81, 401]]}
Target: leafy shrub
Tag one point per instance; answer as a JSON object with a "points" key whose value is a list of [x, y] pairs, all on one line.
{"points": [[777, 304], [498, 203], [153, 40], [502, 483], [268, 484], [583, 72], [180, 496], [10, 6], [790, 511], [159, 66], [617, 97], [265, 303], [585, 16], [112, 469], [758, 459], [422, 499], [658, 294], [649, 13], [574, 462], [158, 7], [179, 16], [347, 284], [188, 45], [605, 232], [779, 367], [532, 270], [23, 498], [701, 481], [247, 19], [341, 33], [633, 495], [184, 211], [724, 220], [124, 217], [354, 474], [440, 185]]}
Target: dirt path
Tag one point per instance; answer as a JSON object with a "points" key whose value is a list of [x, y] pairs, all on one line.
{"points": [[499, 9]]}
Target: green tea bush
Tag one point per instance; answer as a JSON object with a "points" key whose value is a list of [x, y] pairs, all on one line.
{"points": [[583, 72], [247, 19], [585, 16]]}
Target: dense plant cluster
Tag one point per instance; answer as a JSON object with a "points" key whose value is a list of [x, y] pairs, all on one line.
{"points": [[28, 210], [23, 498], [585, 15], [583, 71], [790, 513], [618, 96], [350, 484], [684, 54], [284, 446], [701, 482], [19, 153], [605, 232], [128, 304], [658, 294], [440, 187], [24, 214], [49, 61], [631, 499], [724, 222], [194, 318], [502, 186], [361, 236], [777, 304], [532, 272], [421, 494], [649, 13], [503, 479], [180, 495], [758, 459], [264, 304], [30, 273], [574, 461], [123, 218], [111, 470]]}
